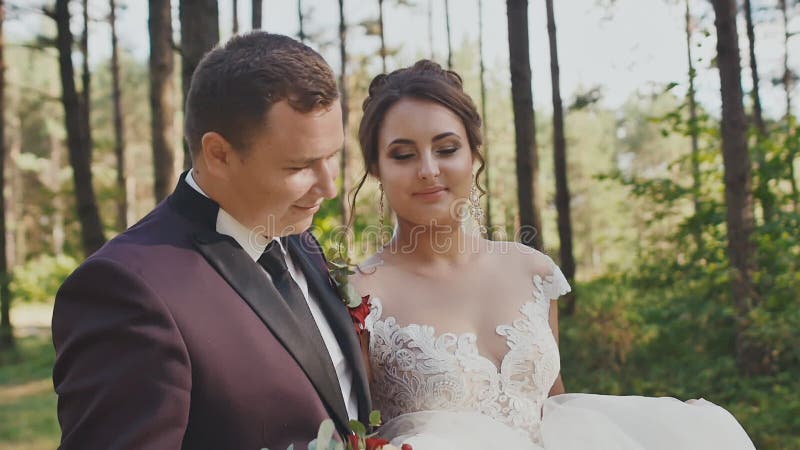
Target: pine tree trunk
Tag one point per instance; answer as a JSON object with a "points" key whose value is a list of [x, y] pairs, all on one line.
{"points": [[487, 166], [119, 125], [162, 104], [693, 127], [257, 11], [300, 33], [54, 184], [235, 16], [560, 165], [6, 332], [430, 29], [77, 138], [345, 185], [383, 39], [765, 197], [199, 34], [738, 198], [86, 76], [449, 39], [788, 86], [787, 79], [524, 124]]}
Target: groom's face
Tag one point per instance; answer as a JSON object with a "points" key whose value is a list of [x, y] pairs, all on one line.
{"points": [[289, 168]]}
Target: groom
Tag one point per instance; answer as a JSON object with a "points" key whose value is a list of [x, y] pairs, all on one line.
{"points": [[211, 323]]}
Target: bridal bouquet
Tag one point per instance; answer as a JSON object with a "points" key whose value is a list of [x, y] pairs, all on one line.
{"points": [[358, 439]]}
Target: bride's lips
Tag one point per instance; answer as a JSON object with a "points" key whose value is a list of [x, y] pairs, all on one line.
{"points": [[431, 193]]}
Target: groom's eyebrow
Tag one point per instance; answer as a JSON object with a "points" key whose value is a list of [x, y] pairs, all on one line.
{"points": [[312, 160]]}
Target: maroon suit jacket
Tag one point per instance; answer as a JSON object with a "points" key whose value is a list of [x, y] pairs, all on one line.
{"points": [[171, 337]]}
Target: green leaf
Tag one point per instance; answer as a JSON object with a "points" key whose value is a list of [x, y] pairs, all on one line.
{"points": [[375, 418], [358, 428]]}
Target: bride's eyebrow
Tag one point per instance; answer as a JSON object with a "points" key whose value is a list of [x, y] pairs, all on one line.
{"points": [[401, 141], [443, 135]]}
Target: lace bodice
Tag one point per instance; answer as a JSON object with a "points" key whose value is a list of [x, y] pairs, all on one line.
{"points": [[414, 369]]}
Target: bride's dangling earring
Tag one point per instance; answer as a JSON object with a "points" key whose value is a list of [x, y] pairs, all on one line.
{"points": [[475, 209], [380, 214]]}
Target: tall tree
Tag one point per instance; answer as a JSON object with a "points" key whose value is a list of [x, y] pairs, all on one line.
{"points": [[788, 76], [524, 125], [235, 16], [449, 38], [764, 194], [487, 167], [162, 104], [199, 34], [6, 332], [694, 129], [86, 76], [80, 152], [119, 124], [788, 80], [256, 14], [344, 188], [560, 163], [300, 33], [758, 118], [738, 197], [430, 29], [383, 38]]}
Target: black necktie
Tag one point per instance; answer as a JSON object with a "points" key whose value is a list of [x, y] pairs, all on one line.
{"points": [[274, 262]]}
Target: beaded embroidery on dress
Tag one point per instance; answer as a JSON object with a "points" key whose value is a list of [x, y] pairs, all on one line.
{"points": [[415, 369]]}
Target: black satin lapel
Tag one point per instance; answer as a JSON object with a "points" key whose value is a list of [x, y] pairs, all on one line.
{"points": [[250, 282], [336, 312]]}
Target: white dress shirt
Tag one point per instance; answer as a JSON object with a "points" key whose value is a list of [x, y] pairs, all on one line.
{"points": [[254, 246]]}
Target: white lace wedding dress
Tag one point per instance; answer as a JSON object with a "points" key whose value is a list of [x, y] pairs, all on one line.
{"points": [[437, 392]]}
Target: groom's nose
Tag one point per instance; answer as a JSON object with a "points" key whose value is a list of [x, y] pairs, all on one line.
{"points": [[327, 172]]}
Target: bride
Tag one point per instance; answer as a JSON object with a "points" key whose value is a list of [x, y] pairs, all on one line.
{"points": [[463, 331]]}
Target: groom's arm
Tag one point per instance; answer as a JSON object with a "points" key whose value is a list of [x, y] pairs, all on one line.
{"points": [[122, 372]]}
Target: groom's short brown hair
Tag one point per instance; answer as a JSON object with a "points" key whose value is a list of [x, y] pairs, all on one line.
{"points": [[236, 83]]}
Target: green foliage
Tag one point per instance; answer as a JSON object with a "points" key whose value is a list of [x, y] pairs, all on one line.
{"points": [[27, 401], [38, 279], [669, 327]]}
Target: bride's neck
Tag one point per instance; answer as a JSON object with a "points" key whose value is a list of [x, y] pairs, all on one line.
{"points": [[449, 244]]}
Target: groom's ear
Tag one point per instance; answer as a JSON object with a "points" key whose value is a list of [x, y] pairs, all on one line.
{"points": [[216, 153]]}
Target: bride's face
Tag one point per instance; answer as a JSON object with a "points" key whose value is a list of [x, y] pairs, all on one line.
{"points": [[424, 161]]}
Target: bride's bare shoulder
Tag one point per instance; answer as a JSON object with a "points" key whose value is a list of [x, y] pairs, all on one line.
{"points": [[516, 254], [366, 276]]}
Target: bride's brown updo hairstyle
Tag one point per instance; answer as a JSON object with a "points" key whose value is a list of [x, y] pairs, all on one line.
{"points": [[425, 80]]}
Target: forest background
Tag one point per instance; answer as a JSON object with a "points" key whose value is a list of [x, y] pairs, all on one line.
{"points": [[653, 144]]}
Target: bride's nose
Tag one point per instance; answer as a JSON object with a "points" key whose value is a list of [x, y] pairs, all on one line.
{"points": [[429, 168]]}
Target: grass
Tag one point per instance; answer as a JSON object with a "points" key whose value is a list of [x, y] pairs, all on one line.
{"points": [[27, 401]]}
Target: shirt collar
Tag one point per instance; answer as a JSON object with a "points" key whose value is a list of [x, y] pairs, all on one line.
{"points": [[252, 243]]}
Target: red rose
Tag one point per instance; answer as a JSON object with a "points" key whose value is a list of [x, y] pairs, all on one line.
{"points": [[353, 440], [359, 314], [406, 447], [375, 443]]}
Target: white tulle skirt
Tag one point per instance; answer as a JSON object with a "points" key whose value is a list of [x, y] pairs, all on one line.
{"points": [[580, 422]]}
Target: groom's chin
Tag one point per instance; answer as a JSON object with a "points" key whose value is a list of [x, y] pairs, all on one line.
{"points": [[299, 226]]}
